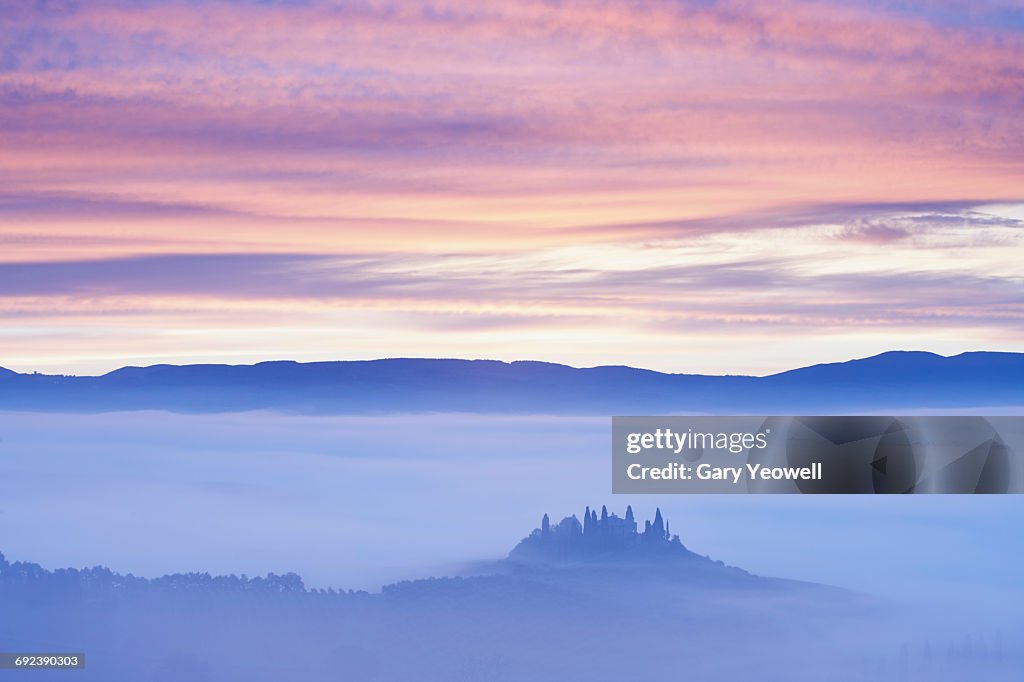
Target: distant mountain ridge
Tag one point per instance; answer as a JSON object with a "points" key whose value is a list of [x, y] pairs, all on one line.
{"points": [[893, 380]]}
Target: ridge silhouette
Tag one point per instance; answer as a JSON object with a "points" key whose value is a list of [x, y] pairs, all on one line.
{"points": [[890, 381]]}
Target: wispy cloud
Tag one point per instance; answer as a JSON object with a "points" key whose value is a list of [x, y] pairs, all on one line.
{"points": [[831, 282], [569, 170]]}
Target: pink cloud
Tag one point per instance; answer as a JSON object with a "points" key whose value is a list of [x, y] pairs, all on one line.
{"points": [[133, 130]]}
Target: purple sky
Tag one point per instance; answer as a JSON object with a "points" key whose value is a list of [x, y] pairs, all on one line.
{"points": [[688, 186]]}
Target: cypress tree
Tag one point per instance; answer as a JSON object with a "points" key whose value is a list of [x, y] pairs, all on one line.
{"points": [[659, 524]]}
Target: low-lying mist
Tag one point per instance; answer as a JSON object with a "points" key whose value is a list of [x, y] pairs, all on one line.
{"points": [[360, 502]]}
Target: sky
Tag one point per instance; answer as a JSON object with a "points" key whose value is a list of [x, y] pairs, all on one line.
{"points": [[724, 187]]}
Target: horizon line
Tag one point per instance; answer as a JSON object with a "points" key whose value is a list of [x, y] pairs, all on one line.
{"points": [[504, 362]]}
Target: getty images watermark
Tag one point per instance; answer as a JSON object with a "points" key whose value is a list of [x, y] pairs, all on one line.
{"points": [[817, 454]]}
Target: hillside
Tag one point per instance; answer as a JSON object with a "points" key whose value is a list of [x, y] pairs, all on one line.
{"points": [[888, 381]]}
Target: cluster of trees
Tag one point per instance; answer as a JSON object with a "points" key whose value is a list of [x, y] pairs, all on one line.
{"points": [[22, 578], [975, 657]]}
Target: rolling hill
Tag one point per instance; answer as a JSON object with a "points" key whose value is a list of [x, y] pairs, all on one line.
{"points": [[890, 381]]}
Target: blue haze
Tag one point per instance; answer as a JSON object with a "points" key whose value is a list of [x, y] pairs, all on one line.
{"points": [[357, 502], [334, 479]]}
